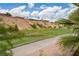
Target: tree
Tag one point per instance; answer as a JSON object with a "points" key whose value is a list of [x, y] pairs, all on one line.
{"points": [[66, 23], [72, 41], [6, 35], [76, 4]]}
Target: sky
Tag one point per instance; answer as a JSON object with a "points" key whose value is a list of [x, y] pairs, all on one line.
{"points": [[40, 11]]}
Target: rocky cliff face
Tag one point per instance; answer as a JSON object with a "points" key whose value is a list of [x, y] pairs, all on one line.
{"points": [[27, 23]]}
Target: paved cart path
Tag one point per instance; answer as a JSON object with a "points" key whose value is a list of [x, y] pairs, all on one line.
{"points": [[39, 48]]}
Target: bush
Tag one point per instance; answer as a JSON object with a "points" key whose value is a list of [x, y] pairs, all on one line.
{"points": [[15, 28], [3, 29], [69, 41], [8, 14], [40, 25], [1, 18], [34, 26], [4, 48]]}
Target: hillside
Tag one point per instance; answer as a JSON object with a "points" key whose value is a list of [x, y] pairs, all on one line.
{"points": [[16, 31], [21, 23]]}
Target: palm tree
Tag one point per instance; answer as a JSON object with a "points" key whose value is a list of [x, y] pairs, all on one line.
{"points": [[73, 22], [76, 4]]}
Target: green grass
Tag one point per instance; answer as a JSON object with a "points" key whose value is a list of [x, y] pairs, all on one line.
{"points": [[28, 36], [37, 35]]}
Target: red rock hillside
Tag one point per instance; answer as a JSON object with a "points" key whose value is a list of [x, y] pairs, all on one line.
{"points": [[26, 23]]}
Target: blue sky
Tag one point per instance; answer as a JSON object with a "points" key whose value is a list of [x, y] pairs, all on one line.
{"points": [[33, 10], [36, 5]]}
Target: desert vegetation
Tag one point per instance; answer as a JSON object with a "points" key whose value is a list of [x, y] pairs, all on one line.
{"points": [[11, 37], [73, 23], [16, 31]]}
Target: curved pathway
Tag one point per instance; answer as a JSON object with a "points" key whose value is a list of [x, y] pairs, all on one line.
{"points": [[43, 47]]}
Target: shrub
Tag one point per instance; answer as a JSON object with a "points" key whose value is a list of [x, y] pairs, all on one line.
{"points": [[14, 28], [3, 29], [40, 25], [8, 14], [1, 18], [69, 41], [34, 26]]}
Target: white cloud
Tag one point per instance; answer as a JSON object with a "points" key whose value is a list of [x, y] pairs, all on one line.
{"points": [[26, 14], [62, 13], [49, 12], [56, 12], [72, 10], [3, 11], [71, 5], [30, 5], [34, 13], [43, 7], [18, 11]]}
